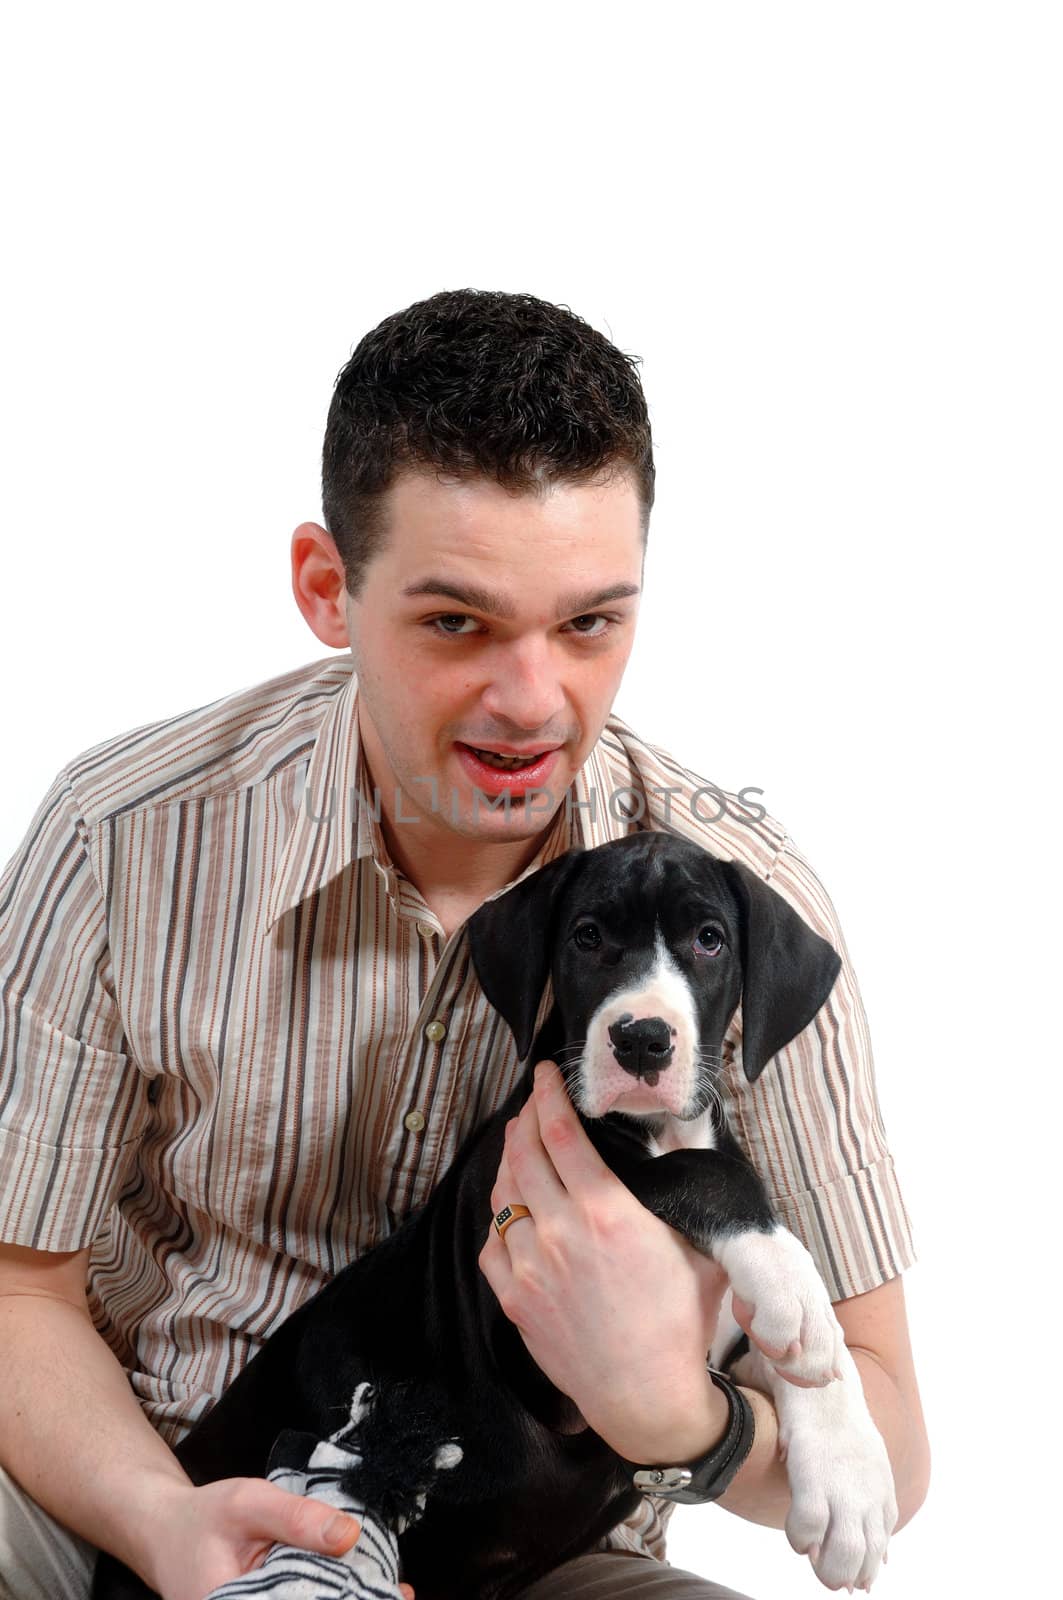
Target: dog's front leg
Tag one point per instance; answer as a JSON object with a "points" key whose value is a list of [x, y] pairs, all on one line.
{"points": [[717, 1201], [843, 1505]]}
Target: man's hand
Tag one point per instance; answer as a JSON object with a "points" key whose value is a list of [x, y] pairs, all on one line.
{"points": [[207, 1536], [615, 1307]]}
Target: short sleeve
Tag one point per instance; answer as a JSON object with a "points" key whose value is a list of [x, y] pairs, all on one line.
{"points": [[812, 1125], [72, 1102]]}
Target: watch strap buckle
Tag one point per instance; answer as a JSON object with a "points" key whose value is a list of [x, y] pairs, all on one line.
{"points": [[662, 1480]]}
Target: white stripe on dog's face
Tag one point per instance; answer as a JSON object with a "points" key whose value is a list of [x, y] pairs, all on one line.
{"points": [[602, 1085]]}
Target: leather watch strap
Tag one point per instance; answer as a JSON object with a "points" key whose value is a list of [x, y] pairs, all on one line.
{"points": [[705, 1479]]}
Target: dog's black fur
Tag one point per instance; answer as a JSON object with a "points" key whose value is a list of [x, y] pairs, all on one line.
{"points": [[527, 1496]]}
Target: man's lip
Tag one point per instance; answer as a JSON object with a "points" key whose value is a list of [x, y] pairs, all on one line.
{"points": [[515, 781], [510, 749]]}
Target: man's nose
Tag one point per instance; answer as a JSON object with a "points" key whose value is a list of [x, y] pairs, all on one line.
{"points": [[524, 687]]}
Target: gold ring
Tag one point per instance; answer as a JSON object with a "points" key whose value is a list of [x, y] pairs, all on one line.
{"points": [[507, 1215]]}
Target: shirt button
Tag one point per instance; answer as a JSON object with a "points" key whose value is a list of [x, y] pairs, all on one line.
{"points": [[425, 929], [435, 1031], [414, 1121]]}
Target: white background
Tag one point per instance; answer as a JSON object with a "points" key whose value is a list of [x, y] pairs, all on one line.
{"points": [[832, 232]]}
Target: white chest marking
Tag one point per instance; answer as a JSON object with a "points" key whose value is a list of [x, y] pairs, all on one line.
{"points": [[675, 1135]]}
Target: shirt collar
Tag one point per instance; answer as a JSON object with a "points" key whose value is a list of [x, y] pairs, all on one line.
{"points": [[337, 824]]}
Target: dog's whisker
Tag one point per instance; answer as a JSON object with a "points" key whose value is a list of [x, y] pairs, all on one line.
{"points": [[569, 1058], [570, 1073], [570, 1049], [570, 1063]]}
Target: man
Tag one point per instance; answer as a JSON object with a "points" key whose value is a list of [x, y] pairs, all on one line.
{"points": [[241, 1037]]}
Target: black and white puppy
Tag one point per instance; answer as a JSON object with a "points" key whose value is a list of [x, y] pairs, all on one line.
{"points": [[650, 944]]}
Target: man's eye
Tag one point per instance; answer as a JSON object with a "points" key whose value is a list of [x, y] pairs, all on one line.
{"points": [[452, 616], [590, 626]]}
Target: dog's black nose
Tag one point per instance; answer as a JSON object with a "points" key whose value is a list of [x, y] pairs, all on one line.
{"points": [[643, 1048]]}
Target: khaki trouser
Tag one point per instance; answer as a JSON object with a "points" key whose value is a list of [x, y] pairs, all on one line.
{"points": [[39, 1560]]}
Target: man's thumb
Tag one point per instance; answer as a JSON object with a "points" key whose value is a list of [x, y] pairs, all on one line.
{"points": [[339, 1531], [312, 1525]]}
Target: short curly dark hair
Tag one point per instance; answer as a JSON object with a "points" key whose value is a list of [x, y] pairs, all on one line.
{"points": [[477, 382]]}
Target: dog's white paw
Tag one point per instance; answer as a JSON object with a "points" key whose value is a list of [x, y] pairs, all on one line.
{"points": [[793, 1321], [843, 1507]]}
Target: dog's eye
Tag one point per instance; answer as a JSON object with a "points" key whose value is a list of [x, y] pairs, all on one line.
{"points": [[587, 937], [709, 940]]}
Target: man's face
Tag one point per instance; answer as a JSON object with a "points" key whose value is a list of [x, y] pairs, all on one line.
{"points": [[518, 647]]}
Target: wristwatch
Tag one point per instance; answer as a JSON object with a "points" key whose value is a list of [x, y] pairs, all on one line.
{"points": [[705, 1479]]}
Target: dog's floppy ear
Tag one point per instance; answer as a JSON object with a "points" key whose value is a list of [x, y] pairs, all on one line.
{"points": [[511, 941], [787, 970]]}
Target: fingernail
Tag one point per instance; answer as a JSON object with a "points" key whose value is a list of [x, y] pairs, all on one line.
{"points": [[339, 1527]]}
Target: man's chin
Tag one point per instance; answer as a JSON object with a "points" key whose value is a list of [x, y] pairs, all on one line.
{"points": [[498, 824]]}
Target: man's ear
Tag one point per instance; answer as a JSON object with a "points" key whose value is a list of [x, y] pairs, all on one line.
{"points": [[512, 939], [787, 970]]}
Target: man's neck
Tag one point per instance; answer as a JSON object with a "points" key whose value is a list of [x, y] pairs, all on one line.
{"points": [[453, 869]]}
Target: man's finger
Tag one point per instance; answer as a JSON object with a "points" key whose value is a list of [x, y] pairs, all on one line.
{"points": [[576, 1161], [495, 1264], [526, 1172], [508, 1192], [743, 1315], [306, 1523]]}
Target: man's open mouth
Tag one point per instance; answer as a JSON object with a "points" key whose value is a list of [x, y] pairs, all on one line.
{"points": [[506, 763], [501, 772]]}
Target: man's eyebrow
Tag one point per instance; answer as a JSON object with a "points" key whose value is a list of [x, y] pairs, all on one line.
{"points": [[496, 605]]}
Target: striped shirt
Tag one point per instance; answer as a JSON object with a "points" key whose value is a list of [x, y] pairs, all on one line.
{"points": [[236, 1048]]}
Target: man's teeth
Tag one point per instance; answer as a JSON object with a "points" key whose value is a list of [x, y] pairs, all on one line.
{"points": [[507, 763]]}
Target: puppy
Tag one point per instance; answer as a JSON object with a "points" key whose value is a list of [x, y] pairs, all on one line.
{"points": [[650, 944]]}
